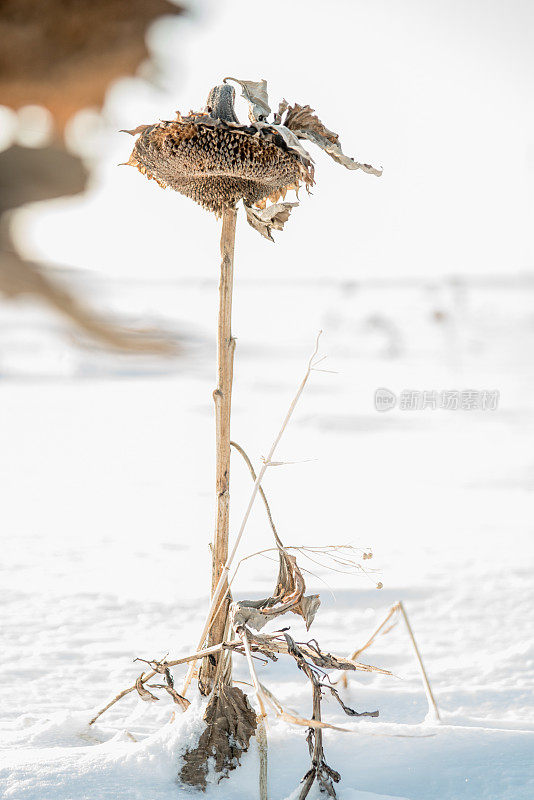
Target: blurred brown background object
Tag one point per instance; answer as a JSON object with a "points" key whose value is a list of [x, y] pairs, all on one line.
{"points": [[63, 54]]}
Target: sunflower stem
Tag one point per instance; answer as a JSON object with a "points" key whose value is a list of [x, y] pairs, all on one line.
{"points": [[223, 402]]}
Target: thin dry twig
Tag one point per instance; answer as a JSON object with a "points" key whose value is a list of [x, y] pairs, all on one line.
{"points": [[261, 492]]}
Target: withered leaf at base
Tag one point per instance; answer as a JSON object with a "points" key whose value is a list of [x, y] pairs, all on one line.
{"points": [[230, 722]]}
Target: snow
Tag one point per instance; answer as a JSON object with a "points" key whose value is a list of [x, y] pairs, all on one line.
{"points": [[107, 510]]}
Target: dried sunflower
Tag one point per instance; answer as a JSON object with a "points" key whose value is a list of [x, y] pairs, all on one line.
{"points": [[214, 159]]}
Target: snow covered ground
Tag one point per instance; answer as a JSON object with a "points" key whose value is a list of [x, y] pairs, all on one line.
{"points": [[107, 512]]}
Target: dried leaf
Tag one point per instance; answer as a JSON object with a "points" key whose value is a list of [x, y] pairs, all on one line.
{"points": [[255, 93], [334, 150], [246, 612], [178, 698], [275, 216], [349, 711], [230, 722], [183, 702], [139, 129], [293, 144], [143, 693], [301, 118], [287, 596], [307, 608], [163, 668], [282, 106], [306, 125]]}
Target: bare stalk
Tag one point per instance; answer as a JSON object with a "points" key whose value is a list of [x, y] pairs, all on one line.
{"points": [[432, 705], [223, 579], [223, 403]]}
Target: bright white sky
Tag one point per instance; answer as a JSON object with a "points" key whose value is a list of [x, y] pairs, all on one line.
{"points": [[439, 93]]}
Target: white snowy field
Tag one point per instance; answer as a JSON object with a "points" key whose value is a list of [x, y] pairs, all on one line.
{"points": [[107, 513]]}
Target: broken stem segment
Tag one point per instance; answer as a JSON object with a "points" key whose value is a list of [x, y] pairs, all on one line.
{"points": [[223, 403]]}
